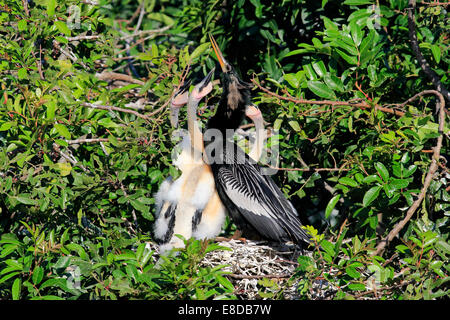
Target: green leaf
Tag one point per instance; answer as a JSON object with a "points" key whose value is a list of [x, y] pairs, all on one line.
{"points": [[161, 17], [9, 276], [277, 124], [22, 25], [25, 199], [144, 56], [383, 172], [292, 79], [371, 178], [328, 247], [351, 59], [62, 130], [319, 68], [107, 123], [436, 50], [331, 204], [356, 32], [15, 289], [38, 274], [367, 45], [62, 27], [6, 126], [348, 181], [58, 282], [357, 286], [321, 90], [22, 73], [358, 2], [334, 82], [47, 297], [51, 107], [198, 51], [371, 195], [294, 124], [225, 283], [51, 5], [352, 272], [399, 183]]}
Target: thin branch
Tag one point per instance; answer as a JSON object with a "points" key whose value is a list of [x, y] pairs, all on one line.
{"points": [[110, 108], [429, 177], [83, 37], [309, 169], [434, 4], [68, 54], [361, 105], [420, 58], [144, 32], [92, 140], [259, 276], [141, 16], [106, 75], [69, 158]]}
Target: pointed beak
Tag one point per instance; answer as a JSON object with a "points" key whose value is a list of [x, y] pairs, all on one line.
{"points": [[252, 111], [206, 80], [223, 63], [203, 87], [179, 99]]}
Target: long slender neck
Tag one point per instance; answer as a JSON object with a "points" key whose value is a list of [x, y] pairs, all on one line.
{"points": [[256, 151], [193, 127], [226, 118]]}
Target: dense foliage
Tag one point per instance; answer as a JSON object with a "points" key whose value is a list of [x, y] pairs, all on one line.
{"points": [[82, 151]]}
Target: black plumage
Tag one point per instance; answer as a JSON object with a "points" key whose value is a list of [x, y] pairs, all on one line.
{"points": [[254, 202]]}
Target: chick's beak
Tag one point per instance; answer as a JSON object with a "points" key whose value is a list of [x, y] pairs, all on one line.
{"points": [[179, 99], [223, 63], [206, 85], [252, 111]]}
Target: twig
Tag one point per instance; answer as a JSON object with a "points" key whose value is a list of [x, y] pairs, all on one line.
{"points": [[92, 3], [259, 276], [110, 108], [69, 158], [25, 7], [144, 32], [83, 37], [106, 75], [433, 4], [420, 58], [309, 169], [69, 54], [433, 167], [92, 140], [141, 16], [361, 105], [373, 291]]}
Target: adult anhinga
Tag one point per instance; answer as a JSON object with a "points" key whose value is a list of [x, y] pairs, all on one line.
{"points": [[255, 203]]}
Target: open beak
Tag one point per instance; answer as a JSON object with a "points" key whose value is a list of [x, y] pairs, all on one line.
{"points": [[179, 99], [252, 111], [219, 55], [206, 80]]}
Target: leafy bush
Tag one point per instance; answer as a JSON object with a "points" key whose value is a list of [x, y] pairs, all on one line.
{"points": [[81, 154]]}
